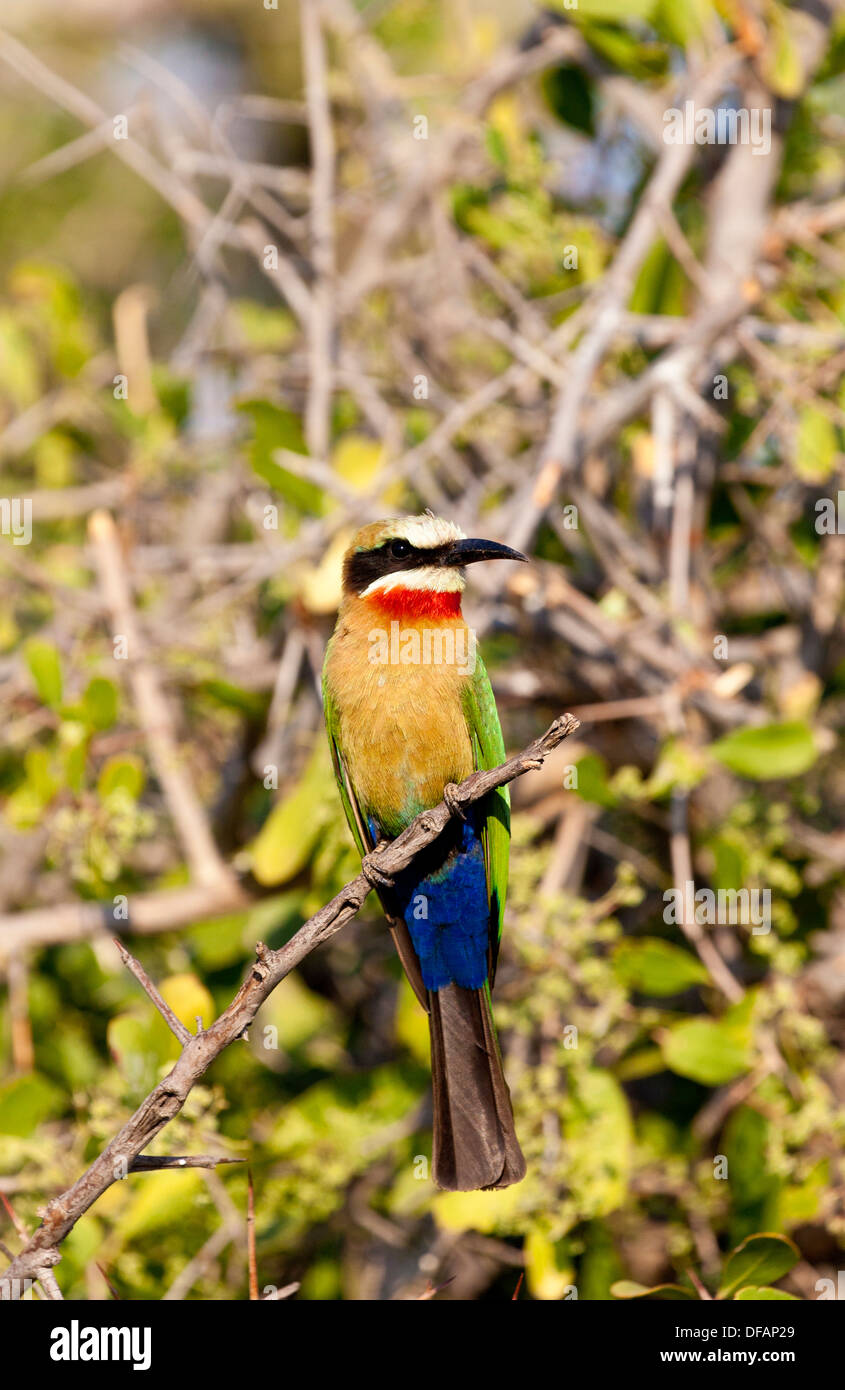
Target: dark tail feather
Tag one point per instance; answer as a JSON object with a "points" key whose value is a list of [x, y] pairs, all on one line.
{"points": [[475, 1143]]}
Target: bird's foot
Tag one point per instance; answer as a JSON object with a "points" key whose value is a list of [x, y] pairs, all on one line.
{"points": [[373, 872], [455, 807]]}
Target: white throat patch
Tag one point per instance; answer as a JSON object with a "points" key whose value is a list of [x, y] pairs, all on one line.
{"points": [[435, 578]]}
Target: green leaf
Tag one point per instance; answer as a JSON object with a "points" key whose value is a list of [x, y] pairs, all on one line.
{"points": [[609, 10], [799, 1203], [828, 97], [780, 61], [592, 782], [571, 96], [45, 667], [629, 1288], [122, 772], [495, 145], [161, 1202], [21, 373], [349, 1116], [549, 1267], [298, 1015], [293, 829], [627, 51], [679, 764], [219, 942], [646, 1061], [707, 1051], [816, 446], [760, 1258], [768, 751], [100, 703], [39, 774], [599, 1139], [358, 460], [600, 1264], [653, 966], [756, 1294], [137, 1054], [469, 1211], [276, 428], [730, 862], [265, 328], [189, 999], [745, 1144], [74, 754], [141, 1042], [55, 299], [26, 1102], [250, 703], [683, 23], [69, 1053], [660, 285], [26, 803]]}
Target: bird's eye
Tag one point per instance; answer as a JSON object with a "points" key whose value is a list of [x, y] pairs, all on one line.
{"points": [[399, 549]]}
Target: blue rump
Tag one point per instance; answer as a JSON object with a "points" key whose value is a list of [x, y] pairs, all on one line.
{"points": [[444, 902]]}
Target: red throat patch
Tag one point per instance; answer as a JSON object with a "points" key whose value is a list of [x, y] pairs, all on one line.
{"points": [[417, 603]]}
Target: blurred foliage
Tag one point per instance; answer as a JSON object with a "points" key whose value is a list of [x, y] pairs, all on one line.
{"points": [[758, 1259], [664, 1130]]}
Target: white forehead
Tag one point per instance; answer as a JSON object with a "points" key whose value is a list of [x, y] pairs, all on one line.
{"points": [[426, 531]]}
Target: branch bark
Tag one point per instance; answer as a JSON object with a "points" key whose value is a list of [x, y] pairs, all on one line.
{"points": [[321, 319], [41, 1252], [175, 1024]]}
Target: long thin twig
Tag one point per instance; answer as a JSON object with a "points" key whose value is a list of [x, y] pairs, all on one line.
{"points": [[250, 1239], [145, 915], [682, 873], [321, 319], [174, 1024], [206, 863], [151, 1163]]}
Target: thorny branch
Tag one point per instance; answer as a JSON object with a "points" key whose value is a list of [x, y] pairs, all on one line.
{"points": [[41, 1252]]}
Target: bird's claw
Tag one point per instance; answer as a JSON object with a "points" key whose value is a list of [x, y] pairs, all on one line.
{"points": [[454, 806], [375, 875]]}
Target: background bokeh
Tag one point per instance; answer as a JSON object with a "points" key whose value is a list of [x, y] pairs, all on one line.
{"points": [[458, 267]]}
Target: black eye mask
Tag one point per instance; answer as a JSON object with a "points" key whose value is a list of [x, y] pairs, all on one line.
{"points": [[365, 566]]}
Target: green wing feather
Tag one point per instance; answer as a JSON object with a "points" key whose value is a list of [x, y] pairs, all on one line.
{"points": [[364, 842], [352, 811], [488, 751]]}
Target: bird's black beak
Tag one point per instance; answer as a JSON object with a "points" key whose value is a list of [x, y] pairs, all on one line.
{"points": [[466, 552]]}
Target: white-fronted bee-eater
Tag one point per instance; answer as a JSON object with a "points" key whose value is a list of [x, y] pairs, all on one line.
{"points": [[409, 711]]}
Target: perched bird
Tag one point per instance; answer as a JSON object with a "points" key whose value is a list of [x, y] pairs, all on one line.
{"points": [[409, 712]]}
